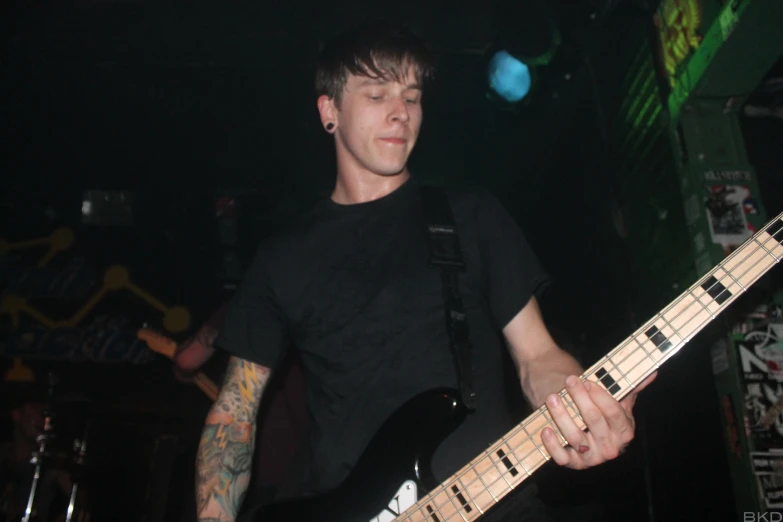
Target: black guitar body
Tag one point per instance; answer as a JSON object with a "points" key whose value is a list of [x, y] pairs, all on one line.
{"points": [[401, 451]]}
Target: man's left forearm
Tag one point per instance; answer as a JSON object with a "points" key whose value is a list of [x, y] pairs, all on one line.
{"points": [[546, 374]]}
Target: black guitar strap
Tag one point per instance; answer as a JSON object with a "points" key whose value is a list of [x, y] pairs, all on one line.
{"points": [[446, 258]]}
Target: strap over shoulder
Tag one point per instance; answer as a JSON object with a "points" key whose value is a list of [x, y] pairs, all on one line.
{"points": [[446, 257], [445, 250]]}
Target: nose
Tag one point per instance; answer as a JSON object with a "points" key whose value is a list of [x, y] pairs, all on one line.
{"points": [[399, 110]]}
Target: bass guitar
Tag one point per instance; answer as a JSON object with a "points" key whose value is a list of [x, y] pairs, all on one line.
{"points": [[392, 481]]}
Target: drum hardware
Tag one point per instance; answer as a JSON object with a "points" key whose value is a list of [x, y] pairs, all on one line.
{"points": [[44, 456], [43, 444], [79, 448]]}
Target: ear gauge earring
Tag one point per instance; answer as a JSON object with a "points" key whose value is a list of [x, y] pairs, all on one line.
{"points": [[330, 126]]}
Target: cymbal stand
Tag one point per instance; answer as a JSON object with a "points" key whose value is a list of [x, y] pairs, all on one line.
{"points": [[80, 447], [40, 454]]}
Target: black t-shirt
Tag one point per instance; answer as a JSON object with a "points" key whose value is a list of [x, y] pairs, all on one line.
{"points": [[350, 287]]}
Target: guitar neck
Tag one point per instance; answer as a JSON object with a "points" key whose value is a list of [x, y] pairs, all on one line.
{"points": [[206, 385], [488, 478]]}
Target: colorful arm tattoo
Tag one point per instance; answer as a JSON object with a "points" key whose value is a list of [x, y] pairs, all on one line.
{"points": [[225, 454]]}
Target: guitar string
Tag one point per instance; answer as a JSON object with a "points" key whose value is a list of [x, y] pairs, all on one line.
{"points": [[633, 337]]}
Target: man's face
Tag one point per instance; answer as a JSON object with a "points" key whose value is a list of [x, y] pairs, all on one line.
{"points": [[377, 124]]}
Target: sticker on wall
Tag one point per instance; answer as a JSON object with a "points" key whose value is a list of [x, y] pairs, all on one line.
{"points": [[761, 361], [727, 210], [728, 175], [768, 468]]}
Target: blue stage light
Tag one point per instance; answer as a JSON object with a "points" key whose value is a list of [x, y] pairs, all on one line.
{"points": [[508, 77]]}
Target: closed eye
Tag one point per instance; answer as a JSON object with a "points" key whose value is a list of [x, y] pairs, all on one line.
{"points": [[413, 96]]}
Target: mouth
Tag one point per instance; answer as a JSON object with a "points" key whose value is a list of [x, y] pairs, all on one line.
{"points": [[395, 141]]}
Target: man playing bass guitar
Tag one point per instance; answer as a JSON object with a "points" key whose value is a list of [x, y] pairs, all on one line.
{"points": [[350, 287]]}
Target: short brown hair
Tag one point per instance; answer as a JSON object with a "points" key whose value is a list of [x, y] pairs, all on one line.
{"points": [[378, 50]]}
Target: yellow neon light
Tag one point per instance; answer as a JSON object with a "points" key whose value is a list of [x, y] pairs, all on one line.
{"points": [[176, 319], [678, 23]]}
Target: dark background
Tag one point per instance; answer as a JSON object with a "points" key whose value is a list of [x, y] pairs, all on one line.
{"points": [[182, 101]]}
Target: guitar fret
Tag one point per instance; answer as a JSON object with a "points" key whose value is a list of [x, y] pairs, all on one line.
{"points": [[463, 502], [442, 508], [474, 482], [687, 318], [539, 421], [523, 450], [674, 331], [456, 501], [623, 376], [776, 258], [716, 290], [736, 281], [540, 447], [774, 229], [705, 307], [458, 510], [535, 423], [531, 460], [467, 503], [483, 502], [640, 346], [730, 262], [486, 480], [573, 412], [434, 505], [662, 341], [424, 511], [502, 474], [506, 462], [639, 352], [606, 378], [712, 290], [524, 460], [493, 467], [463, 505], [486, 486]]}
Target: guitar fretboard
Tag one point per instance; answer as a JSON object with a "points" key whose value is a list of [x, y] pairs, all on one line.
{"points": [[482, 483]]}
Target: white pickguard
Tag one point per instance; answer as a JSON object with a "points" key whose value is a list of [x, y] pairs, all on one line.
{"points": [[405, 497]]}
